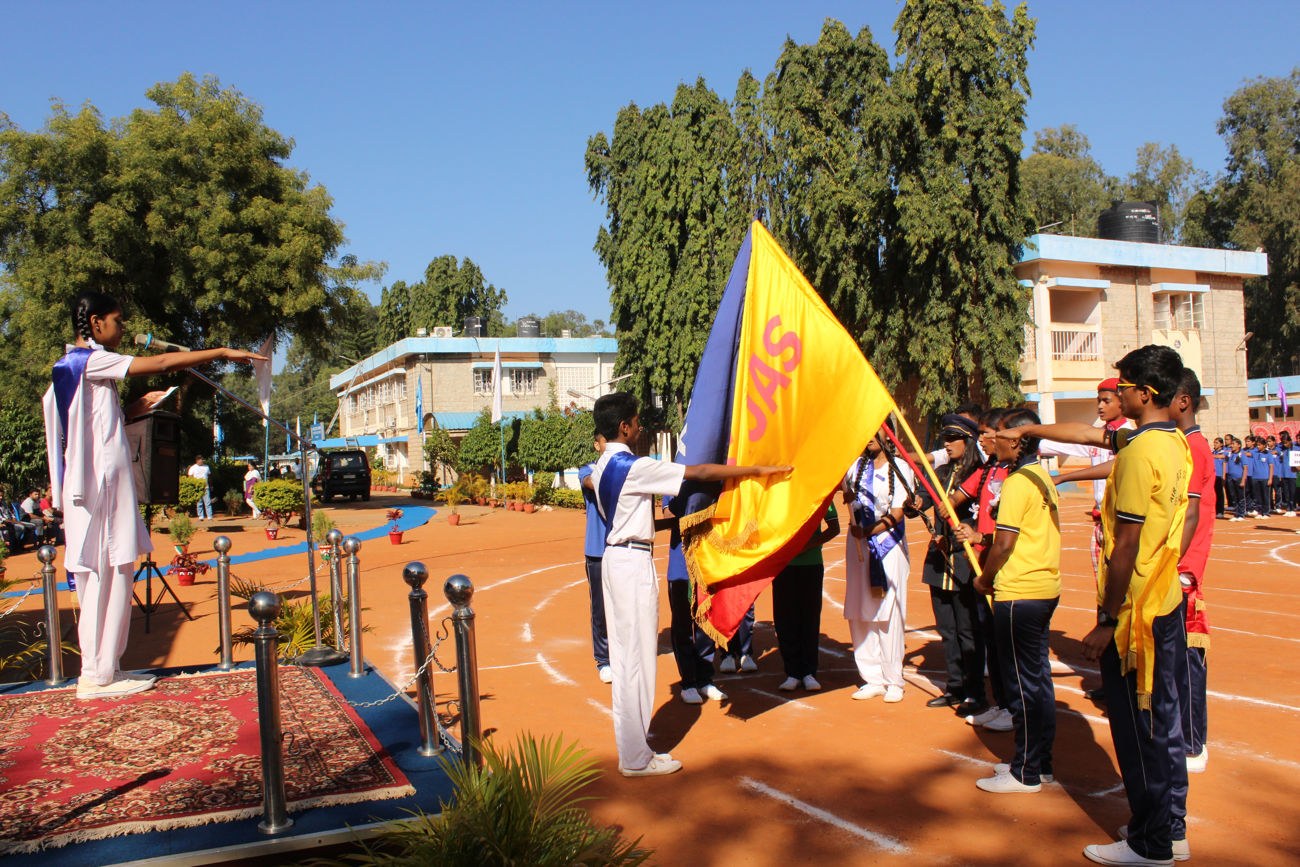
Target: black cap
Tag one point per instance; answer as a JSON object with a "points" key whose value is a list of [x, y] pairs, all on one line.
{"points": [[957, 426]]}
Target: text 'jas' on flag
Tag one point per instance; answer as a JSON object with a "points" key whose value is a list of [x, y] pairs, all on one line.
{"points": [[780, 382]]}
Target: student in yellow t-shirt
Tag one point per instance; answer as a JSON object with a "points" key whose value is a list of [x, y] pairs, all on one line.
{"points": [[1139, 633], [1023, 573]]}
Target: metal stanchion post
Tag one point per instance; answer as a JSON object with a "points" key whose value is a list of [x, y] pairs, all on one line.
{"points": [[265, 607], [352, 545], [53, 628], [414, 574], [222, 546], [334, 537], [459, 591]]}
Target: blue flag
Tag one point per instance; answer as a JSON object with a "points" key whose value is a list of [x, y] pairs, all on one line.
{"points": [[419, 405]]}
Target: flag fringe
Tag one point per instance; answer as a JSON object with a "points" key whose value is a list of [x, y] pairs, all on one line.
{"points": [[1198, 639]]}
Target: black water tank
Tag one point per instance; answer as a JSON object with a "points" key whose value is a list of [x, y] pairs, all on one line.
{"points": [[530, 326], [1130, 221], [474, 326]]}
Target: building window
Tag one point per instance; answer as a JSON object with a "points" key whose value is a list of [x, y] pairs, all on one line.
{"points": [[401, 389], [1182, 311], [482, 381], [523, 381]]}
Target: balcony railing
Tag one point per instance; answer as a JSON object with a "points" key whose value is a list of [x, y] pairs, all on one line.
{"points": [[1069, 345]]}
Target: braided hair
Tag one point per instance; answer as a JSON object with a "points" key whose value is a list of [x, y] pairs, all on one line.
{"points": [[90, 303], [990, 419], [867, 461], [1027, 450]]}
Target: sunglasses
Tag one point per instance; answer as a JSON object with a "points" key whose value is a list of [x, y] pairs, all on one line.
{"points": [[1120, 386]]}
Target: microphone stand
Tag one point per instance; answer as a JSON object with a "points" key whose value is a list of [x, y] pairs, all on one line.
{"points": [[320, 654]]}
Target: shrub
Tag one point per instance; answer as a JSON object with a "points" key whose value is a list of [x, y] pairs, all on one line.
{"points": [[521, 807], [281, 496], [321, 523], [191, 491], [181, 529], [295, 625], [234, 502], [566, 499]]}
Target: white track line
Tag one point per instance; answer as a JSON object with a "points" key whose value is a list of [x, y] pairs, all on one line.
{"points": [[784, 699], [889, 844], [554, 675], [600, 707], [512, 665], [526, 633]]}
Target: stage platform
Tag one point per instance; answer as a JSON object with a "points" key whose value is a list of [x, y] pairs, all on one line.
{"points": [[394, 724]]}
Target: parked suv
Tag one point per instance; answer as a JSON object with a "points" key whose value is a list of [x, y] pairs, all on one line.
{"points": [[342, 473]]}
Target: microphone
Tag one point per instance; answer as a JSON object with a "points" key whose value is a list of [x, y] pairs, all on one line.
{"points": [[148, 341]]}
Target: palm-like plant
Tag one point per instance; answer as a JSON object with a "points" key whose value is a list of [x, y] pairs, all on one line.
{"points": [[23, 648], [296, 625], [522, 807]]}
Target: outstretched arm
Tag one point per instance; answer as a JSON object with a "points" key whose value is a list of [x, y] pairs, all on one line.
{"points": [[149, 365], [1064, 432], [722, 472], [1087, 474]]}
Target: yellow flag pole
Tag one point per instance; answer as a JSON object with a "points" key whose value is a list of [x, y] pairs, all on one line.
{"points": [[938, 488]]}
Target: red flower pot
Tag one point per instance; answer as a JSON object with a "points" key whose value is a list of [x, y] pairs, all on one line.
{"points": [[272, 533], [529, 508], [453, 519], [184, 577], [395, 537]]}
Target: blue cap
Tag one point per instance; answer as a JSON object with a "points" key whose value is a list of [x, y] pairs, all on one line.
{"points": [[954, 425]]}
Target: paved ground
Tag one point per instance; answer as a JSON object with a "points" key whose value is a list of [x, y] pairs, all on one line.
{"points": [[818, 778]]}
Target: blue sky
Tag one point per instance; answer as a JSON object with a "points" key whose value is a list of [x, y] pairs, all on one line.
{"points": [[460, 128]]}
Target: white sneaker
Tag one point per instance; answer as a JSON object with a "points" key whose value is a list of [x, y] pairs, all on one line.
{"points": [[712, 692], [747, 663], [117, 688], [606, 674], [810, 683], [1196, 764], [1121, 854], [1288, 514], [980, 718], [871, 690], [659, 765], [728, 665], [790, 684], [691, 695], [1059, 667], [893, 694], [1004, 768], [1005, 784], [1000, 723], [1182, 852]]}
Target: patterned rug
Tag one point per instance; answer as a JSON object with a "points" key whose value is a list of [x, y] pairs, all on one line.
{"points": [[184, 753]]}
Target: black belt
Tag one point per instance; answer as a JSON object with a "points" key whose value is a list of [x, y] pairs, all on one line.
{"points": [[636, 545]]}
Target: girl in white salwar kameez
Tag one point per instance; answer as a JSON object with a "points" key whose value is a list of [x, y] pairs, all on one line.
{"points": [[91, 478], [876, 569]]}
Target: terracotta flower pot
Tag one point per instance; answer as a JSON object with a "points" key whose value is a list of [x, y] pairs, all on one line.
{"points": [[395, 536], [529, 508], [453, 519], [272, 533]]}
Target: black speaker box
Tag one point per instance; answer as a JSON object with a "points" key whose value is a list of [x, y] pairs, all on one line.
{"points": [[155, 442]]}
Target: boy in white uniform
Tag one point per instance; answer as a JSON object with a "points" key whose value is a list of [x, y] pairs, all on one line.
{"points": [[625, 487]]}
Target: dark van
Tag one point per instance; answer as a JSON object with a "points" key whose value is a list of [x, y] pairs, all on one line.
{"points": [[342, 473]]}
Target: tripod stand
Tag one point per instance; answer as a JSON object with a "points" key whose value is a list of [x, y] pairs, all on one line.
{"points": [[149, 569]]}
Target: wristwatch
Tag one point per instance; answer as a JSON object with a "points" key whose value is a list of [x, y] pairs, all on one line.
{"points": [[1104, 619]]}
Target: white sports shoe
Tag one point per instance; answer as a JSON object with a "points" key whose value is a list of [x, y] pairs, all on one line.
{"points": [[691, 695], [871, 690], [790, 684], [606, 674], [1196, 764], [893, 694], [116, 688], [811, 683], [747, 663], [980, 719], [1003, 768], [712, 692], [1001, 723], [1121, 854], [1182, 852], [728, 665], [1005, 784], [659, 765]]}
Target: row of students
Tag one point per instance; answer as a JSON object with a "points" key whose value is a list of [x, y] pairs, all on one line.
{"points": [[1256, 477]]}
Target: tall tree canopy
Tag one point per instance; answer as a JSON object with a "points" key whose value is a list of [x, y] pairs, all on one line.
{"points": [[1065, 187], [896, 192], [184, 211], [449, 292]]}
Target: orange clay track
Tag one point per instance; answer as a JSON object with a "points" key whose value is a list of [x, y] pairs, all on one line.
{"points": [[774, 779]]}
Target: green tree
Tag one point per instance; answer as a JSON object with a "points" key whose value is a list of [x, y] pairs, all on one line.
{"points": [[1164, 176], [186, 212], [23, 466], [669, 240], [450, 291], [545, 441], [1257, 206], [440, 450], [961, 88], [481, 447], [1065, 188]]}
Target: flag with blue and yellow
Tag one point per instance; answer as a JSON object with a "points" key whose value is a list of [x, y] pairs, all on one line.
{"points": [[780, 382]]}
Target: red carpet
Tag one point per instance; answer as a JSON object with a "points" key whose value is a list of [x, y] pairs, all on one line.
{"points": [[184, 753]]}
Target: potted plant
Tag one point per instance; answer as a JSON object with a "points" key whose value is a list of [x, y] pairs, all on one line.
{"points": [[321, 524], [455, 495], [185, 566], [273, 521], [234, 502], [526, 497], [394, 534], [182, 530], [279, 500], [481, 489]]}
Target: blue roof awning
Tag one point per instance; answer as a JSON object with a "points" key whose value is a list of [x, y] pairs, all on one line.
{"points": [[525, 365], [466, 420]]}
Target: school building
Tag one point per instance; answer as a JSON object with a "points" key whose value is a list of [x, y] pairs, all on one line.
{"points": [[450, 380], [1273, 405], [1094, 300]]}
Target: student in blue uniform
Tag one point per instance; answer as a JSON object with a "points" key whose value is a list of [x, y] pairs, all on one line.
{"points": [[1289, 455], [594, 549], [1236, 476], [1220, 452]]}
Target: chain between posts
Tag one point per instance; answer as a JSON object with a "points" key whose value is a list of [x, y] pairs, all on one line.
{"points": [[31, 588], [441, 634]]}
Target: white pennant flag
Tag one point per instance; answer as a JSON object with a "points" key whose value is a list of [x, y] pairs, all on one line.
{"points": [[262, 371], [496, 387]]}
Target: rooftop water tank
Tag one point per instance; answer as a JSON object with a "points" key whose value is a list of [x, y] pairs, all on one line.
{"points": [[474, 327], [1130, 221]]}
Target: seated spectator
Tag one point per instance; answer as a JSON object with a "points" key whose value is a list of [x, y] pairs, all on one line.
{"points": [[47, 527], [21, 533]]}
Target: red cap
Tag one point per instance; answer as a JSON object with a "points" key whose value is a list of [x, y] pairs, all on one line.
{"points": [[1111, 384]]}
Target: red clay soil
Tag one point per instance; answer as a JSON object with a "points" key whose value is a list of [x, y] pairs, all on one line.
{"points": [[773, 778]]}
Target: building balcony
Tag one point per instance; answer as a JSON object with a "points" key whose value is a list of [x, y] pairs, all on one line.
{"points": [[1071, 352]]}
